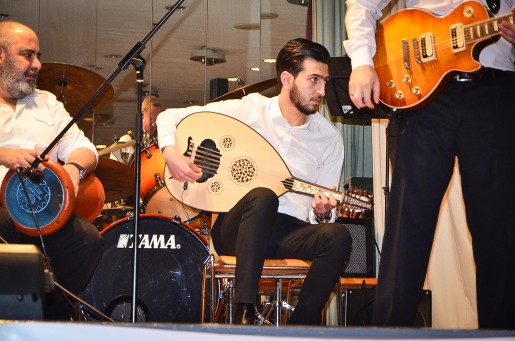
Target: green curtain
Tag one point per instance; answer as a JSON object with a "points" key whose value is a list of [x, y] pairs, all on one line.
{"points": [[328, 30]]}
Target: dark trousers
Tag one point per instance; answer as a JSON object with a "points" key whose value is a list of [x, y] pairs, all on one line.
{"points": [[474, 121], [253, 230], [74, 251]]}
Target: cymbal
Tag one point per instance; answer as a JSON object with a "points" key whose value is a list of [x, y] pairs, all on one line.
{"points": [[269, 85], [116, 177], [116, 146], [73, 85]]}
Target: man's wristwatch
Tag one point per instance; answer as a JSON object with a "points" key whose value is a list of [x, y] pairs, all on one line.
{"points": [[82, 171], [323, 218]]}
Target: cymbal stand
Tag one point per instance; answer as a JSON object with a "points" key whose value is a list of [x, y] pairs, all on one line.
{"points": [[132, 57]]}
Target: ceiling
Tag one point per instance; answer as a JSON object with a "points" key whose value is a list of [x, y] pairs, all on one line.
{"points": [[81, 33]]}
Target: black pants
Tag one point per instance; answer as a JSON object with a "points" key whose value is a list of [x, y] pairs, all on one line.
{"points": [[74, 251], [474, 121], [253, 230]]}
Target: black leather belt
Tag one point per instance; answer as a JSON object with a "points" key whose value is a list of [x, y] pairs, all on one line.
{"points": [[485, 73]]}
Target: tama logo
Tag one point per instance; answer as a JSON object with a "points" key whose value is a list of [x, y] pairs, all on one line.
{"points": [[148, 241]]}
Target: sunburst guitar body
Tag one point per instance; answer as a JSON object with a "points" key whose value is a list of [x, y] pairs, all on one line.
{"points": [[418, 51]]}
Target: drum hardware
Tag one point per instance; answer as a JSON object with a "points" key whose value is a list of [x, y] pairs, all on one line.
{"points": [[160, 182]]}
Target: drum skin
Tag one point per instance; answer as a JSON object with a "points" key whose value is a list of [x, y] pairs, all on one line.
{"points": [[171, 257], [52, 200]]}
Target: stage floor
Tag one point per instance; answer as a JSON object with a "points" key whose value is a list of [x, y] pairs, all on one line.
{"points": [[34, 331]]}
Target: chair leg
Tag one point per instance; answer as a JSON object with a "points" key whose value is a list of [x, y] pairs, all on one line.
{"points": [[339, 302], [278, 300]]}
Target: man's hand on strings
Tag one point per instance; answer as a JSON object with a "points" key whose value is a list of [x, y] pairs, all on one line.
{"points": [[321, 204], [14, 158], [182, 168]]}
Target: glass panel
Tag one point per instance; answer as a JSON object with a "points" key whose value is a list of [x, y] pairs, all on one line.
{"points": [[93, 36]]}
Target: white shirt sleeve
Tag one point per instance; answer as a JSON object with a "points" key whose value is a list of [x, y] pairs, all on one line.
{"points": [[360, 23]]}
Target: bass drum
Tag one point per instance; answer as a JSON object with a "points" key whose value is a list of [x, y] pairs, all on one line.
{"points": [[171, 259], [162, 202]]}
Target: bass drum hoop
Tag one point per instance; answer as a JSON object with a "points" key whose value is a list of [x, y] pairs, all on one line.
{"points": [[169, 278]]}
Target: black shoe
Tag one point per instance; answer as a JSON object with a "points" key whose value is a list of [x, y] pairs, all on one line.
{"points": [[245, 314]]}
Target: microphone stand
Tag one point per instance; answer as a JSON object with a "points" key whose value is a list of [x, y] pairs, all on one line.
{"points": [[132, 57]]}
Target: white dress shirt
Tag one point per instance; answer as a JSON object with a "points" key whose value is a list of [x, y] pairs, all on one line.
{"points": [[362, 15], [34, 124], [313, 151]]}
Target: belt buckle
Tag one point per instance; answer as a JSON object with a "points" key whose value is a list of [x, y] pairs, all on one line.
{"points": [[464, 77]]}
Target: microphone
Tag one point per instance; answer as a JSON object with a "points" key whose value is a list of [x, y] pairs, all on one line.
{"points": [[35, 175]]}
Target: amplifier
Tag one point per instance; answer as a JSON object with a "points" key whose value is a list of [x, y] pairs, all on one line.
{"points": [[362, 257]]}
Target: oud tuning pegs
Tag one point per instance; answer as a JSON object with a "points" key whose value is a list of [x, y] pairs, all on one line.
{"points": [[347, 211]]}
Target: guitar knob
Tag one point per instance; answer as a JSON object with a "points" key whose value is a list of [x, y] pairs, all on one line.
{"points": [[399, 94], [390, 84], [406, 79], [468, 12], [415, 90]]}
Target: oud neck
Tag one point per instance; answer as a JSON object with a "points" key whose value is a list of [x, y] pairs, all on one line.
{"points": [[487, 28], [308, 188]]}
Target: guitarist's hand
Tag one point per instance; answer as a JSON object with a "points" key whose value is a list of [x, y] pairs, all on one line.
{"points": [[182, 168], [364, 87], [508, 30], [321, 204]]}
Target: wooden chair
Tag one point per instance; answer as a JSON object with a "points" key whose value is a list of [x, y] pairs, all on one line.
{"points": [[219, 272]]}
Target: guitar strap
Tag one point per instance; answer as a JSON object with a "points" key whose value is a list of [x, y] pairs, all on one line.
{"points": [[493, 6]]}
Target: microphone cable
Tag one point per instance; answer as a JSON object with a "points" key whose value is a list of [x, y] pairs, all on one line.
{"points": [[31, 173]]}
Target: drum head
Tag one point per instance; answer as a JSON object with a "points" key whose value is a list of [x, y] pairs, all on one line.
{"points": [[169, 287]]}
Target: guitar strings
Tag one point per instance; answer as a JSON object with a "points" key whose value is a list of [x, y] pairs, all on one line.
{"points": [[471, 37], [211, 162]]}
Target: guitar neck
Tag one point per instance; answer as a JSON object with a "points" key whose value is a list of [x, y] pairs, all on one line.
{"points": [[484, 29], [302, 187]]}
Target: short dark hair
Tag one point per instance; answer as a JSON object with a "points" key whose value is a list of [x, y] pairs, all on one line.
{"points": [[293, 54]]}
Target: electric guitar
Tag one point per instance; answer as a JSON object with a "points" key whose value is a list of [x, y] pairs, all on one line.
{"points": [[235, 159], [417, 51]]}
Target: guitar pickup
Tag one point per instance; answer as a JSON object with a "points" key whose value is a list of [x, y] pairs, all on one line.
{"points": [[427, 47], [458, 38]]}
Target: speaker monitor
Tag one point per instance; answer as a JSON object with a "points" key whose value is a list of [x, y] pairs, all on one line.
{"points": [[22, 282], [362, 257], [357, 306]]}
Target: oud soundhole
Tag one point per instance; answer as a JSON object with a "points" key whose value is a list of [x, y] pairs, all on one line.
{"points": [[227, 142], [215, 187], [243, 171]]}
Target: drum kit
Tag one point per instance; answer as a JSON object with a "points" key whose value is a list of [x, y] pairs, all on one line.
{"points": [[173, 237]]}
